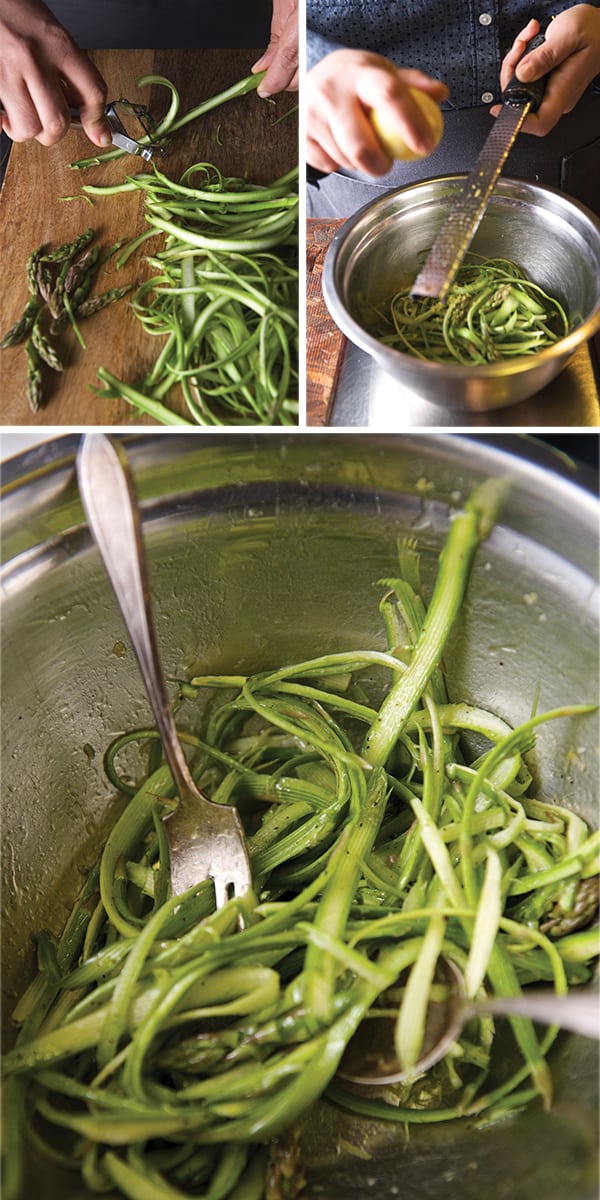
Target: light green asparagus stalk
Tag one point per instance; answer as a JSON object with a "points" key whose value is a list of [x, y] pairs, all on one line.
{"points": [[467, 530]]}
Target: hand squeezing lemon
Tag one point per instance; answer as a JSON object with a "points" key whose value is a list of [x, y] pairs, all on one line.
{"points": [[390, 135]]}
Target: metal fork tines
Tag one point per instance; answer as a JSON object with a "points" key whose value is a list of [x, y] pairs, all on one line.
{"points": [[206, 840]]}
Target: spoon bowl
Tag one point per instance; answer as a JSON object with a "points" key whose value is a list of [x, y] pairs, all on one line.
{"points": [[370, 1057]]}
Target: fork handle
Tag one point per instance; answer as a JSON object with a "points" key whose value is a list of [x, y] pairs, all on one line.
{"points": [[108, 496]]}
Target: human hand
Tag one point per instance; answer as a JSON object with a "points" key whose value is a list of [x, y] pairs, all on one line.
{"points": [[280, 59], [570, 56], [42, 75], [340, 93]]}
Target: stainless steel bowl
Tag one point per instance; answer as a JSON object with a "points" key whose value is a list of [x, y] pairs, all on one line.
{"points": [[555, 240], [263, 550]]}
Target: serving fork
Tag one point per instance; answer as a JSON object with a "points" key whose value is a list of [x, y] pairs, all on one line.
{"points": [[206, 840]]}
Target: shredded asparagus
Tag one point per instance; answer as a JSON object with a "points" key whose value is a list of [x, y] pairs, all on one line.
{"points": [[161, 1045], [492, 311], [223, 299]]}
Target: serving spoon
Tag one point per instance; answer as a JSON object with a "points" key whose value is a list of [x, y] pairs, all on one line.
{"points": [[206, 840], [370, 1057]]}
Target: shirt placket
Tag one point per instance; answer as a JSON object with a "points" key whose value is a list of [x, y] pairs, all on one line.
{"points": [[487, 51]]}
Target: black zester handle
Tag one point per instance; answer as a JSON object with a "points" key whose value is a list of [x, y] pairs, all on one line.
{"points": [[518, 93]]}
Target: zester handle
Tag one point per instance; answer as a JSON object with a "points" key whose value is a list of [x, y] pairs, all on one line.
{"points": [[518, 93]]}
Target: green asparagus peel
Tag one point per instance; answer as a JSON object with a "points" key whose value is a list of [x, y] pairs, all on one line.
{"points": [[223, 299]]}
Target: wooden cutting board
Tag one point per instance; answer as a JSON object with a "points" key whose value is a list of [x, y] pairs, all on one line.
{"points": [[240, 138]]}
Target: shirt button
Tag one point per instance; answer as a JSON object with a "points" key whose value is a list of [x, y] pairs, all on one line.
{"points": [[485, 18], [487, 97]]}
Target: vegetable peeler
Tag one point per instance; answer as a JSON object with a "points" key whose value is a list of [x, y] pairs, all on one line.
{"points": [[458, 231], [120, 136]]}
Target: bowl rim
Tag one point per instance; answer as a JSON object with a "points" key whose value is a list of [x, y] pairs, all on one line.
{"points": [[388, 356], [38, 494]]}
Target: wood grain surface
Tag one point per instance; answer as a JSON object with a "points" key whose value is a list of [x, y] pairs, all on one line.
{"points": [[240, 137], [324, 341]]}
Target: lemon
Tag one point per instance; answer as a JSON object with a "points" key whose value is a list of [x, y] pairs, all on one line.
{"points": [[390, 136]]}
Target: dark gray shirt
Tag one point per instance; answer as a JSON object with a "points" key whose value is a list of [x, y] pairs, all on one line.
{"points": [[462, 43]]}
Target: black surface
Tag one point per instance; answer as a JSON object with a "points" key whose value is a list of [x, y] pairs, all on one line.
{"points": [[152, 24], [581, 447]]}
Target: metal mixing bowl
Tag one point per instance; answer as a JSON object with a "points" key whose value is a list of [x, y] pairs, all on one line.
{"points": [[379, 250], [264, 550]]}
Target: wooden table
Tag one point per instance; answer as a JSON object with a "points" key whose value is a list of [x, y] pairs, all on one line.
{"points": [[240, 137], [325, 343]]}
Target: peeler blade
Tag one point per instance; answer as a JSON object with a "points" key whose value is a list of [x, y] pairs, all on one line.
{"points": [[130, 146], [120, 136]]}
